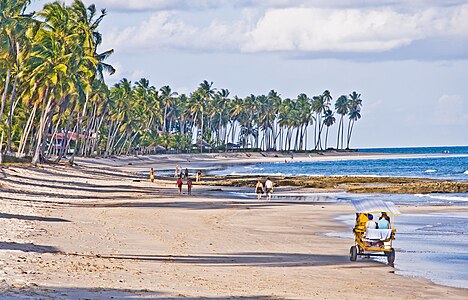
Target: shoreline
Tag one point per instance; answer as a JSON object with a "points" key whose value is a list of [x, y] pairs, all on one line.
{"points": [[101, 230], [209, 162], [167, 162]]}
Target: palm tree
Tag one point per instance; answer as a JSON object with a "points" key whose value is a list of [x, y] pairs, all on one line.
{"points": [[274, 100], [235, 110], [206, 92], [328, 120], [284, 121], [342, 108], [304, 108], [167, 98], [14, 45], [355, 104], [196, 108]]}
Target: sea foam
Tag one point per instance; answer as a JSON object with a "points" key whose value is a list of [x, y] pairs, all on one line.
{"points": [[448, 198]]}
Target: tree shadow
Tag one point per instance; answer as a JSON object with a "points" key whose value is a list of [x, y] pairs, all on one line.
{"points": [[29, 247], [31, 218], [87, 172], [245, 259], [86, 187], [201, 205], [54, 292], [77, 196]]}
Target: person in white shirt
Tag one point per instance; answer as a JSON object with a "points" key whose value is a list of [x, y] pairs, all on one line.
{"points": [[268, 188], [371, 224]]}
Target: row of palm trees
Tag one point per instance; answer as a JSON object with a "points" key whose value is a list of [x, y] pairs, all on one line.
{"points": [[51, 74], [54, 100]]}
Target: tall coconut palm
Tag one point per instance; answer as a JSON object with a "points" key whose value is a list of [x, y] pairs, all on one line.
{"points": [[355, 103], [328, 120], [235, 110], [14, 44], [342, 108], [206, 91], [168, 99]]}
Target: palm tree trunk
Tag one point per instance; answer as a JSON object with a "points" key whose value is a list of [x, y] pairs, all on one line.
{"points": [[165, 116], [350, 128], [10, 114], [338, 134], [37, 158], [132, 139], [53, 137], [201, 130], [306, 137], [26, 130], [98, 128], [233, 129], [1, 150], [319, 140], [110, 130], [342, 134], [326, 138], [5, 93]]}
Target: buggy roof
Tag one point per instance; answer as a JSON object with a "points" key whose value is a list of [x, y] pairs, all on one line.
{"points": [[375, 205]]}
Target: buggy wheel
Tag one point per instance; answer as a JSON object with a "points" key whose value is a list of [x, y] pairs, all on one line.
{"points": [[353, 253], [390, 257]]}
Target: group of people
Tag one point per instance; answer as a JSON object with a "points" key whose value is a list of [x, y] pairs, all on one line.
{"points": [[367, 221], [180, 172], [180, 176], [180, 183], [268, 189]]}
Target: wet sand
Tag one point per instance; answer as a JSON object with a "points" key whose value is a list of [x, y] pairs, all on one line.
{"points": [[100, 230]]}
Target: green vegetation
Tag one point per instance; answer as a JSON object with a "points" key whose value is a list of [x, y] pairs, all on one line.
{"points": [[55, 102]]}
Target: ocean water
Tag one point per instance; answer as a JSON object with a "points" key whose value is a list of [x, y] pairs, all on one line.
{"points": [[431, 246], [452, 165], [420, 150], [438, 199]]}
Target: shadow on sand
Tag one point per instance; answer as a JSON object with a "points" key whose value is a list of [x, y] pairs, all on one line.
{"points": [[29, 247], [202, 205], [246, 259], [51, 292], [31, 218]]}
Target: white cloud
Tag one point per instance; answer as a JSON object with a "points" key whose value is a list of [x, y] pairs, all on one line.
{"points": [[350, 30], [299, 29], [162, 30], [451, 110]]}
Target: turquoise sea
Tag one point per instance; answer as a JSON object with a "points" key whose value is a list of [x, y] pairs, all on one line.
{"points": [[432, 246], [440, 163]]}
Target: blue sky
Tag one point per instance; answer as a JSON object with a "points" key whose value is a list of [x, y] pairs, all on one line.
{"points": [[408, 59]]}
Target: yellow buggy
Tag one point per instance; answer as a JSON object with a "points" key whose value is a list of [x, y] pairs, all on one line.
{"points": [[369, 239]]}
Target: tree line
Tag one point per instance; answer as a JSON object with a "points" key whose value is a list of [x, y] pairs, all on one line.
{"points": [[55, 102]]}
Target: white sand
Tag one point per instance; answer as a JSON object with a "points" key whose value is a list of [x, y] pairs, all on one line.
{"points": [[92, 232]]}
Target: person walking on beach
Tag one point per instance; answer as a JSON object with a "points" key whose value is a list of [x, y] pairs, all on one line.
{"points": [[259, 189], [152, 175], [198, 177], [181, 172], [186, 173], [179, 185], [268, 188], [189, 185], [176, 171]]}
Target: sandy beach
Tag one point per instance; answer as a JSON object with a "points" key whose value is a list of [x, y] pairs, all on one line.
{"points": [[100, 229]]}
